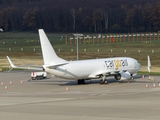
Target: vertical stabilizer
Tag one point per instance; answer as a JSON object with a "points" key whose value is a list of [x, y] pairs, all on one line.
{"points": [[49, 55]]}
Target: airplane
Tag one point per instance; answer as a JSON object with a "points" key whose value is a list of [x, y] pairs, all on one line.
{"points": [[122, 68]]}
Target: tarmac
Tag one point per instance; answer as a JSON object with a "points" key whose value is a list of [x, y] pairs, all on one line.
{"points": [[58, 99]]}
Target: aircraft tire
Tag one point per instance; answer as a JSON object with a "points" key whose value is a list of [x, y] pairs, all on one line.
{"points": [[78, 81], [106, 82], [103, 82], [81, 81]]}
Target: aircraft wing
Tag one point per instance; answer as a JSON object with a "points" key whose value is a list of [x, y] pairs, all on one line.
{"points": [[28, 67], [106, 73]]}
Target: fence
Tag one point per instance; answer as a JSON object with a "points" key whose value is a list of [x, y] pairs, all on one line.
{"points": [[111, 38]]}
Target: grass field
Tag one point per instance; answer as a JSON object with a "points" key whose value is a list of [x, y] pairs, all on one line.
{"points": [[24, 48]]}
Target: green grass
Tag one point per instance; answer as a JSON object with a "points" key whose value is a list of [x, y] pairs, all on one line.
{"points": [[30, 41], [147, 73]]}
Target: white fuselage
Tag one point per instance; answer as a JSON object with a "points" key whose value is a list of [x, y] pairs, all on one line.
{"points": [[87, 69]]}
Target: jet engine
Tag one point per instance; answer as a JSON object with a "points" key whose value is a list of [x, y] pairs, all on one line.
{"points": [[123, 76]]}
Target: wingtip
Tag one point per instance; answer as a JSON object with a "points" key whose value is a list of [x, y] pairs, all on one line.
{"points": [[7, 57], [10, 62], [40, 30], [149, 63]]}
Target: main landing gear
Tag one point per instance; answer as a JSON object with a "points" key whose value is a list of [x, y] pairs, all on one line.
{"points": [[103, 81], [81, 81]]}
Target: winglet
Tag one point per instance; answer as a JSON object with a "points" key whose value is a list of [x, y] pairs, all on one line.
{"points": [[149, 63], [22, 67], [10, 62]]}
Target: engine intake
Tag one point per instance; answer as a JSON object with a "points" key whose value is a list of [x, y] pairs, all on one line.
{"points": [[123, 76]]}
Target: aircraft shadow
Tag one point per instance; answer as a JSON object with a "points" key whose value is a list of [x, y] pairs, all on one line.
{"points": [[63, 82], [88, 82]]}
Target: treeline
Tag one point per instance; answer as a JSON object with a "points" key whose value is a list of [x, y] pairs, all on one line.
{"points": [[80, 15]]}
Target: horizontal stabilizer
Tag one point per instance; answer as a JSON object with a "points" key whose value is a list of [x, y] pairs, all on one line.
{"points": [[54, 66], [31, 67]]}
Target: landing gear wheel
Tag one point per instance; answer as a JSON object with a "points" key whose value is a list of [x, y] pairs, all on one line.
{"points": [[78, 82], [106, 82], [103, 81], [81, 82]]}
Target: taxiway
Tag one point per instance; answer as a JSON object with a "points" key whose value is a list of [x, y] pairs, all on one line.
{"points": [[49, 98]]}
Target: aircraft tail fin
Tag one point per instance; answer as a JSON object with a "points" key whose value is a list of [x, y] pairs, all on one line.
{"points": [[149, 63], [49, 55]]}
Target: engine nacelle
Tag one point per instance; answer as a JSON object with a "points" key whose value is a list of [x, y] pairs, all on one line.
{"points": [[123, 76]]}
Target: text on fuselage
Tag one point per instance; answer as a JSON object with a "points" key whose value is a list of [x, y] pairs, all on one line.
{"points": [[116, 63]]}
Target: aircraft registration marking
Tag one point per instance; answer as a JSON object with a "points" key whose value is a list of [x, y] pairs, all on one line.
{"points": [[116, 64]]}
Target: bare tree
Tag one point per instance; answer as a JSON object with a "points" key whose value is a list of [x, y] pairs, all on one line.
{"points": [[105, 15], [73, 13], [97, 18], [29, 19]]}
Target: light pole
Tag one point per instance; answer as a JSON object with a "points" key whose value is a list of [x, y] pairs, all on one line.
{"points": [[77, 35]]}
